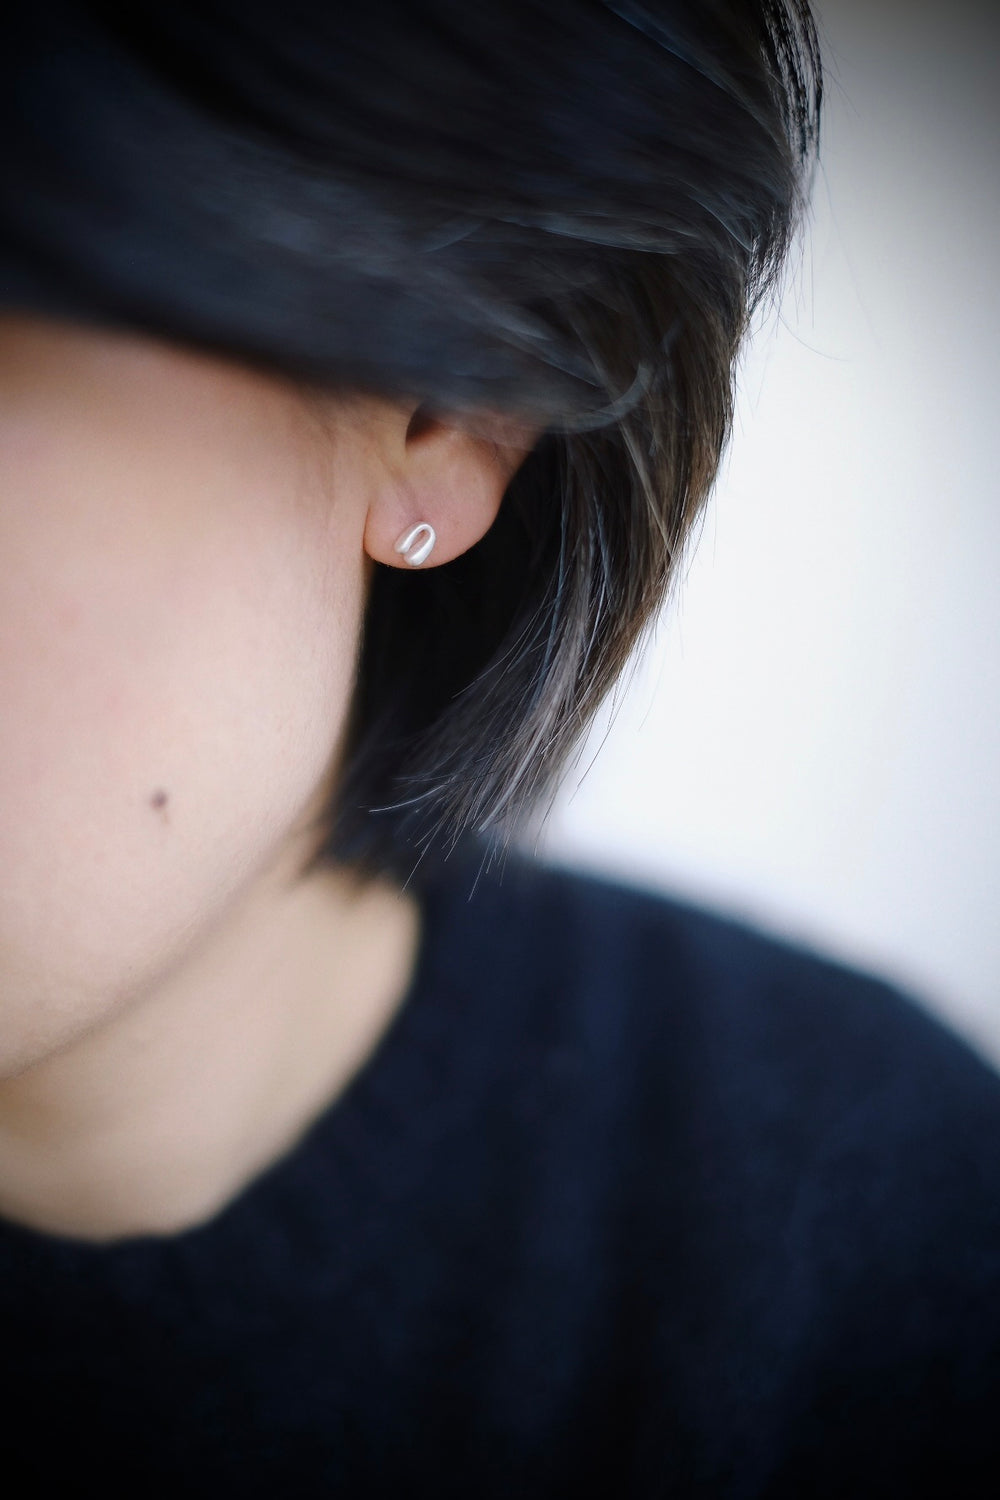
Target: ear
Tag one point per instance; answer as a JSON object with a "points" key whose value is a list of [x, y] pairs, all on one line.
{"points": [[441, 483]]}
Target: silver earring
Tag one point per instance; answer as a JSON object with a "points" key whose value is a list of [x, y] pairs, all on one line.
{"points": [[417, 544]]}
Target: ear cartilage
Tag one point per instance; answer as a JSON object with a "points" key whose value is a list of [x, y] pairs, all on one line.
{"points": [[417, 544]]}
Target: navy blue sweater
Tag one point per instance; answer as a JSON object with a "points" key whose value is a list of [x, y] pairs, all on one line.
{"points": [[630, 1201]]}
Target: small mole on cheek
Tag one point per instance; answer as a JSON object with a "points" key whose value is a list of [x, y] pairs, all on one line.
{"points": [[159, 800]]}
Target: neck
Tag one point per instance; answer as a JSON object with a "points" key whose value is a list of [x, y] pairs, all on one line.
{"points": [[154, 1122]]}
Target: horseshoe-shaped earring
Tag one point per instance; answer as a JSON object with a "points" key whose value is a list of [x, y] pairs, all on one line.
{"points": [[417, 544]]}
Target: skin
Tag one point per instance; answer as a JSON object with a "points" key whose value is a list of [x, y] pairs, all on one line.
{"points": [[186, 548]]}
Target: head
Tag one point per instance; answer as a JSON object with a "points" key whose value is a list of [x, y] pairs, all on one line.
{"points": [[278, 282]]}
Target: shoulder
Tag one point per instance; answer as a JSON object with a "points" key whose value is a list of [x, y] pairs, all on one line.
{"points": [[764, 1047], [709, 982], [806, 1166]]}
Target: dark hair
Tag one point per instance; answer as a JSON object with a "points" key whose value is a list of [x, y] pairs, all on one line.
{"points": [[564, 209]]}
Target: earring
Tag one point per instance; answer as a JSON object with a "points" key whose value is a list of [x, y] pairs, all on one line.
{"points": [[417, 544]]}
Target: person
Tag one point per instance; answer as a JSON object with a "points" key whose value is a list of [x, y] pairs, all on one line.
{"points": [[362, 372]]}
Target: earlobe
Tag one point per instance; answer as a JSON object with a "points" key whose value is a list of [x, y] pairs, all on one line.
{"points": [[440, 486]]}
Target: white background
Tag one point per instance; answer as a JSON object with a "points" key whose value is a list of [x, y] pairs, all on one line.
{"points": [[812, 737]]}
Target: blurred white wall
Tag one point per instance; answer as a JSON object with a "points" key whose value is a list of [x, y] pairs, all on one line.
{"points": [[812, 739]]}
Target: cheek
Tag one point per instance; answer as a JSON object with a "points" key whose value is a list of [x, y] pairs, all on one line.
{"points": [[168, 714]]}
